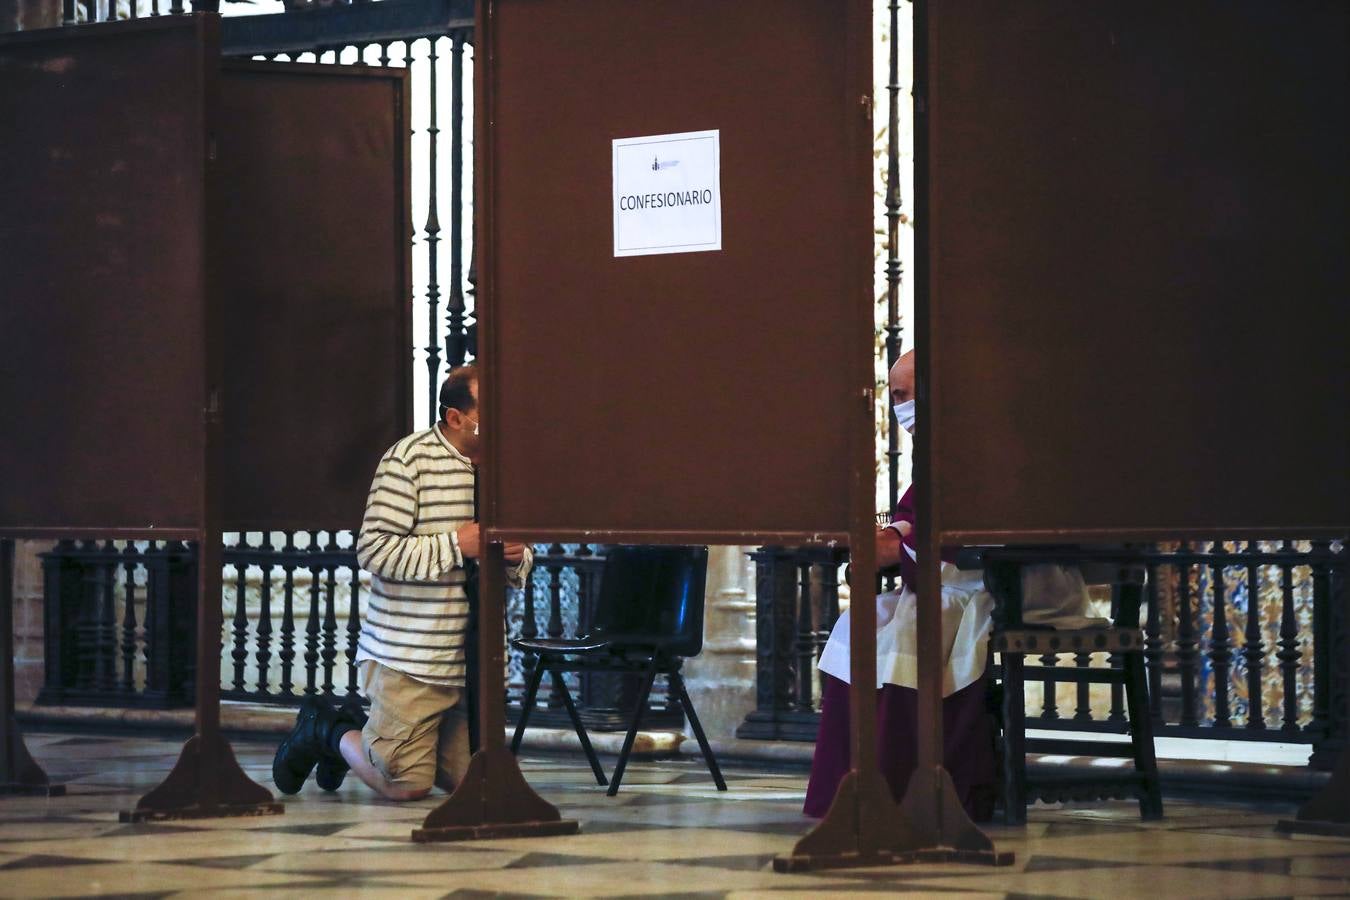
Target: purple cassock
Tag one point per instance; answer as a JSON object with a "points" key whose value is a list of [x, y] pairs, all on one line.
{"points": [[968, 725]]}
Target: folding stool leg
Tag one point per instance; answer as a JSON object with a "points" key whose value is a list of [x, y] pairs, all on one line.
{"points": [[561, 687], [677, 684], [1014, 741], [643, 695], [531, 689], [1141, 736]]}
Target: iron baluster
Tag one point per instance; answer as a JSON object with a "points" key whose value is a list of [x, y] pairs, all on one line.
{"points": [[455, 344], [264, 652], [329, 654], [1083, 711], [105, 568], [554, 628], [148, 621], [1049, 690], [1253, 649], [804, 641], [1187, 652], [312, 620], [471, 306], [240, 652], [287, 653], [129, 563], [432, 229], [1288, 653], [1153, 643], [1220, 652], [826, 614], [353, 630], [1116, 715], [529, 623]]}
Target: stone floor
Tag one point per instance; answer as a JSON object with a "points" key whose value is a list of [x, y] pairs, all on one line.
{"points": [[667, 834]]}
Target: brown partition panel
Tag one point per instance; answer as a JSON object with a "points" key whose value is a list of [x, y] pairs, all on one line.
{"points": [[314, 255], [1135, 265], [688, 393], [102, 175]]}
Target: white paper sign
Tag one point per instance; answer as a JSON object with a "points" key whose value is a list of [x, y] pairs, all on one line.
{"points": [[667, 194]]}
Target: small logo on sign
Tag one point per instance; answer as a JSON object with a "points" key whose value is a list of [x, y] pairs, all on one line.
{"points": [[659, 164]]}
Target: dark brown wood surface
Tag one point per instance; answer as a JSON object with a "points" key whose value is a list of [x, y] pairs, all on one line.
{"points": [[313, 246], [1133, 248], [102, 386], [672, 396]]}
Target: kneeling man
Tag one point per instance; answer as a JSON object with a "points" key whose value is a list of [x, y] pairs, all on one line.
{"points": [[419, 540]]}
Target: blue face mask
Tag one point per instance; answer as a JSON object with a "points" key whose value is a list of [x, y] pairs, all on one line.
{"points": [[904, 415]]}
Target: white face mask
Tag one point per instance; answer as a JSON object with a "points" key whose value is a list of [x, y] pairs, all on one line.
{"points": [[475, 426], [904, 415]]}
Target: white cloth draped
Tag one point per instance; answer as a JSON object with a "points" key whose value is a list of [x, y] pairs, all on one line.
{"points": [[1053, 596]]}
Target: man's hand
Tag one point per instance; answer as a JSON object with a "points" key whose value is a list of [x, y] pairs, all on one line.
{"points": [[470, 544], [469, 540]]}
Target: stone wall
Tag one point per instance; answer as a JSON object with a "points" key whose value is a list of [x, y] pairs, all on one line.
{"points": [[28, 650], [721, 680]]}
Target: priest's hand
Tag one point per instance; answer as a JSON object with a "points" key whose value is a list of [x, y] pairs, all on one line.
{"points": [[889, 539]]}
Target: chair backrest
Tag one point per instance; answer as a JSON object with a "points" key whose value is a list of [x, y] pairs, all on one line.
{"points": [[652, 597]]}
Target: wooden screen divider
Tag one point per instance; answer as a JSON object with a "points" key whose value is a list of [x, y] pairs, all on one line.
{"points": [[1131, 230], [658, 383], [235, 335]]}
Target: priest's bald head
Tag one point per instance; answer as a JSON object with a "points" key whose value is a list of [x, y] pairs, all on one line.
{"points": [[902, 390]]}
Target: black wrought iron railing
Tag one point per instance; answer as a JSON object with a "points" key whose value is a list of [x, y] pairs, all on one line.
{"points": [[116, 629], [120, 625], [1243, 641]]}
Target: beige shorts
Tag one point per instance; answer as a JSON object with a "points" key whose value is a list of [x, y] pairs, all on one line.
{"points": [[417, 734]]}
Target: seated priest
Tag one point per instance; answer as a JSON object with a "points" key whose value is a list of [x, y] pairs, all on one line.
{"points": [[1053, 596], [420, 542]]}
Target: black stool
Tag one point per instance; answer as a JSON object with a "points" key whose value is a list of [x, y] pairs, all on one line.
{"points": [[1012, 641]]}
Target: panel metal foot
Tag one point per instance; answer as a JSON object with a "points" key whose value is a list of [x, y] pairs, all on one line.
{"points": [[19, 772], [1311, 826], [493, 800], [205, 783], [1328, 812], [864, 827]]}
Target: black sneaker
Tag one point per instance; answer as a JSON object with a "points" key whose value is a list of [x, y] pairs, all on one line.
{"points": [[301, 749], [332, 768]]}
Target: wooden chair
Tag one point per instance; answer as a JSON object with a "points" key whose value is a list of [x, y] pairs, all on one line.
{"points": [[1013, 640], [648, 619]]}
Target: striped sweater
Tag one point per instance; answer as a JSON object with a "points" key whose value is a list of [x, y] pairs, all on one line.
{"points": [[417, 612]]}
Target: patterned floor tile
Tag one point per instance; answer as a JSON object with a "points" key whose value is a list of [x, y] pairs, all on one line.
{"points": [[668, 833], [1149, 884], [383, 863], [112, 878], [617, 879], [150, 848]]}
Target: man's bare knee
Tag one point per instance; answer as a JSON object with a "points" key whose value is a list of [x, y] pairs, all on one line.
{"points": [[391, 792]]}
